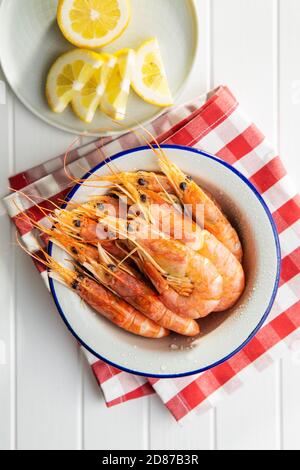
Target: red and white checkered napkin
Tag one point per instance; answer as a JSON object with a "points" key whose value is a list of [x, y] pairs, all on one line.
{"points": [[217, 126]]}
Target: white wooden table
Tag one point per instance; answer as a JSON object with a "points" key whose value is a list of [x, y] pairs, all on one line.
{"points": [[48, 396]]}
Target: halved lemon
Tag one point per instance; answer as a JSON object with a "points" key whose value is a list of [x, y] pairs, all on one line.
{"points": [[149, 78], [115, 98], [68, 75], [93, 23], [86, 102]]}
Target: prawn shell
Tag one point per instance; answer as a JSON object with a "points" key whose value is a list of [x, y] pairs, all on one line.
{"points": [[118, 311], [139, 295]]}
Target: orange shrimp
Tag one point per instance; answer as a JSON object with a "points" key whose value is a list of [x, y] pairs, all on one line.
{"points": [[188, 283], [175, 224], [103, 301], [121, 281], [192, 194]]}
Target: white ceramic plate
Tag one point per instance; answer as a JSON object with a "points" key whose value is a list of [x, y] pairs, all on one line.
{"points": [[30, 41], [223, 334]]}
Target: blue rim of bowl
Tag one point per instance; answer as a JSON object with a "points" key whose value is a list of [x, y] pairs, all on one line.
{"points": [[276, 284]]}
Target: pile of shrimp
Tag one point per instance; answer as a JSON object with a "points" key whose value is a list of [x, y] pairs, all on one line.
{"points": [[141, 257]]}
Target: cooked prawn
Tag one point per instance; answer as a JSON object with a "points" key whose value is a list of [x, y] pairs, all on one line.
{"points": [[103, 301]]}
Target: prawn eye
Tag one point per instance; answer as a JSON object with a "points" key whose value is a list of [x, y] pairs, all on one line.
{"points": [[143, 198], [183, 186], [75, 285], [77, 223], [142, 182], [74, 250], [112, 268], [113, 195], [101, 207]]}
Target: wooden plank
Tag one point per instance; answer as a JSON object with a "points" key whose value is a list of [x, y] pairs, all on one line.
{"points": [[166, 434], [244, 58], [7, 317], [289, 85], [48, 372], [290, 402], [122, 427], [248, 419], [48, 369], [289, 80]]}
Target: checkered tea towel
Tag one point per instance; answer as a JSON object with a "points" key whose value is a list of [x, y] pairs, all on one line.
{"points": [[217, 125]]}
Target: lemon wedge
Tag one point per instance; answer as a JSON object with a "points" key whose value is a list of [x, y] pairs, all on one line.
{"points": [[68, 75], [115, 98], [93, 23], [86, 102], [149, 78]]}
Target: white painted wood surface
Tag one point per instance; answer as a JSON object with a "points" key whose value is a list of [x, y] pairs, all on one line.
{"points": [[48, 396]]}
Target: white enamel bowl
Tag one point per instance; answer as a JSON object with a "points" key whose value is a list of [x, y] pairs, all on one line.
{"points": [[223, 334], [30, 41]]}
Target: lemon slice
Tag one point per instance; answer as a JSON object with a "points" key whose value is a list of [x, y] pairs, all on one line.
{"points": [[115, 98], [149, 77], [68, 75], [87, 101], [93, 23]]}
